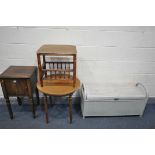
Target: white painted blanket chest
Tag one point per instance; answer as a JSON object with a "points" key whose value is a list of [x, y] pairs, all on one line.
{"points": [[113, 100]]}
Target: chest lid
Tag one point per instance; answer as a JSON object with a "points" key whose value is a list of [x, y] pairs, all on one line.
{"points": [[100, 92]]}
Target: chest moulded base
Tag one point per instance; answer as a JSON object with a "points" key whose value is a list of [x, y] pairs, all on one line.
{"points": [[113, 100]]}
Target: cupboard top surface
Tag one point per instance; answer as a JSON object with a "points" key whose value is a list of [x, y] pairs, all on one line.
{"points": [[18, 72]]}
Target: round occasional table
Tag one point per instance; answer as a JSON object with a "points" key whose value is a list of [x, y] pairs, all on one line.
{"points": [[52, 88]]}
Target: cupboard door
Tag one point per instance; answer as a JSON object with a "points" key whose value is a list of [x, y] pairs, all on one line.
{"points": [[16, 87]]}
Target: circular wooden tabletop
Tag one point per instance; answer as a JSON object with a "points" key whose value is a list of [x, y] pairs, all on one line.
{"points": [[58, 89]]}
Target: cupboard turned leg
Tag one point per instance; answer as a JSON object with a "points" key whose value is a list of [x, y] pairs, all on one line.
{"points": [[37, 96], [70, 108], [9, 108], [46, 107], [7, 99], [19, 101], [33, 107]]}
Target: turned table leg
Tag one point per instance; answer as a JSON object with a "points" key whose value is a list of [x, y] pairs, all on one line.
{"points": [[70, 108], [46, 107], [9, 107], [50, 99]]}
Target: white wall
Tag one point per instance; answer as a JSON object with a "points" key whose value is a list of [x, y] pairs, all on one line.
{"points": [[105, 54]]}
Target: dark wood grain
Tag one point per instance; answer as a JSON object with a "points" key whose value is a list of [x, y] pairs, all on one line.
{"points": [[18, 72], [19, 81], [7, 99]]}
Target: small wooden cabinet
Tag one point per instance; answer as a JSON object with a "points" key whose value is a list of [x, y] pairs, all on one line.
{"points": [[19, 81]]}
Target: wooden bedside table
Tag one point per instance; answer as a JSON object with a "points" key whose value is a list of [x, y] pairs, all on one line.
{"points": [[19, 81]]}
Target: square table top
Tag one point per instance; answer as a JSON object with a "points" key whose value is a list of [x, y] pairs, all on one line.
{"points": [[57, 49], [18, 72]]}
